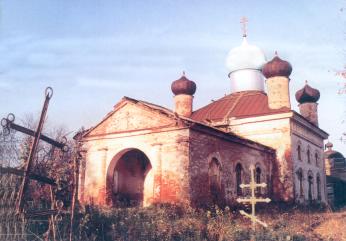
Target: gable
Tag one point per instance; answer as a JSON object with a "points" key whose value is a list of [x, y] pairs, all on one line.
{"points": [[129, 116]]}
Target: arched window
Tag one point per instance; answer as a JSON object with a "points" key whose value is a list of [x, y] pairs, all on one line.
{"points": [[300, 181], [215, 180], [238, 174], [299, 151], [258, 179], [318, 182], [308, 155], [310, 185], [317, 159], [214, 177]]}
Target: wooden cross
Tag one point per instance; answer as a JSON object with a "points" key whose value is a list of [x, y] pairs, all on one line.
{"points": [[253, 199], [244, 21]]}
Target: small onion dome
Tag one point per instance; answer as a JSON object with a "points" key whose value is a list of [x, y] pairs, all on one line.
{"points": [[277, 67], [307, 94], [329, 145], [245, 56], [183, 86]]}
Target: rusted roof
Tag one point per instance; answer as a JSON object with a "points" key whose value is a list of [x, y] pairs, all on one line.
{"points": [[190, 123], [240, 105]]}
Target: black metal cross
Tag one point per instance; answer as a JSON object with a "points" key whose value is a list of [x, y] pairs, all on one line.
{"points": [[8, 123]]}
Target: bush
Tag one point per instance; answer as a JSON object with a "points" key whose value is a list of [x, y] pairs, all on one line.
{"points": [[171, 222]]}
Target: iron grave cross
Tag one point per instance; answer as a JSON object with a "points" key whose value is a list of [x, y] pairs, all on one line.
{"points": [[253, 199]]}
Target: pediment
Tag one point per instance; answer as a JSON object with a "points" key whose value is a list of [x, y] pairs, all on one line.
{"points": [[129, 116]]}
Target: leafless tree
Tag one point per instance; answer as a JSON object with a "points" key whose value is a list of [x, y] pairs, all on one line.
{"points": [[9, 146], [49, 161]]}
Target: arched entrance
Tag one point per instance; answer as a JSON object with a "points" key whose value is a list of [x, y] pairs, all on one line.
{"points": [[125, 178]]}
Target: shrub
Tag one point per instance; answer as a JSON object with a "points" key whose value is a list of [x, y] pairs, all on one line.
{"points": [[171, 222]]}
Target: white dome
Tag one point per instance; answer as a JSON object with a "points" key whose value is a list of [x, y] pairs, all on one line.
{"points": [[245, 56]]}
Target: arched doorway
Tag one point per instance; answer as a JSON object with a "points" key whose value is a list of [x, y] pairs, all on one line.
{"points": [[125, 178]]}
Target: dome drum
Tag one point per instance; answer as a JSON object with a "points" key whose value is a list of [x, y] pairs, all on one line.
{"points": [[245, 80]]}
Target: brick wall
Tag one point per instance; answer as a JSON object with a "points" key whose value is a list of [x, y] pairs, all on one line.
{"points": [[204, 147]]}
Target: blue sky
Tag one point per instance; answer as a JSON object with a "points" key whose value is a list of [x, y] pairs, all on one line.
{"points": [[94, 52]]}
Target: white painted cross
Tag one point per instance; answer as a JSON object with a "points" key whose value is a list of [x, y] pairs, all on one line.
{"points": [[253, 199]]}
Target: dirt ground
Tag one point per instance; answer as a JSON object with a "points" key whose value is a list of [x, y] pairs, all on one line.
{"points": [[325, 225], [334, 226]]}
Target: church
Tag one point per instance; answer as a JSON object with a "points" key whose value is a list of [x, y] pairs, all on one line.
{"points": [[335, 164], [141, 153]]}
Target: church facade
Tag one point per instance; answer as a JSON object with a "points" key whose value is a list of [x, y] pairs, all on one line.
{"points": [[142, 153]]}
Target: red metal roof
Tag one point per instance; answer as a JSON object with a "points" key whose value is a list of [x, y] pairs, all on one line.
{"points": [[241, 104]]}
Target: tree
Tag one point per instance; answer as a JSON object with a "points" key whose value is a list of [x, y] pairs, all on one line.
{"points": [[48, 161]]}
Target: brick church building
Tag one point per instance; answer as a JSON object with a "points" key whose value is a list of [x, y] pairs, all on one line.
{"points": [[142, 153]]}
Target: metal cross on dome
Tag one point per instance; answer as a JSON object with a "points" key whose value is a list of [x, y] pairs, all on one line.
{"points": [[253, 199], [244, 21]]}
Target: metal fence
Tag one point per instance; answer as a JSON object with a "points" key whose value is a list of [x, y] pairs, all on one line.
{"points": [[45, 225]]}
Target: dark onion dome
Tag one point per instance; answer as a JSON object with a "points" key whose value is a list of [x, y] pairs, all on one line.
{"points": [[332, 154], [183, 86], [307, 94], [277, 67]]}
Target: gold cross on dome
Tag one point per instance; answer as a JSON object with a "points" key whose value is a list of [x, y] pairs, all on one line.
{"points": [[244, 21]]}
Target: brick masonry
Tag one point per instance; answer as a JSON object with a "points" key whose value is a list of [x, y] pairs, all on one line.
{"points": [[179, 153]]}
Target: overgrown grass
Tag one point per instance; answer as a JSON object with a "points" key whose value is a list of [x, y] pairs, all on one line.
{"points": [[170, 222]]}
